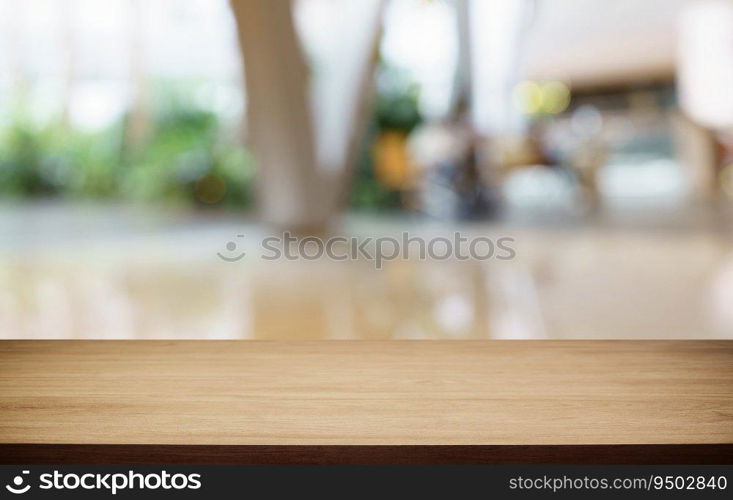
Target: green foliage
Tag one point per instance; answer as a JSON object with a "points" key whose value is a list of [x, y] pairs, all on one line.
{"points": [[398, 111], [396, 108], [52, 160], [184, 148], [184, 157], [187, 147], [367, 193]]}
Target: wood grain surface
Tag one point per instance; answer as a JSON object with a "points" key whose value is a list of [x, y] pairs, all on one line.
{"points": [[366, 393]]}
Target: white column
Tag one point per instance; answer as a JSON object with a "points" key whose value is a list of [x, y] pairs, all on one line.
{"points": [[305, 148]]}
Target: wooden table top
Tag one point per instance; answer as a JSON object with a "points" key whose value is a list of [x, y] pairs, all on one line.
{"points": [[366, 393]]}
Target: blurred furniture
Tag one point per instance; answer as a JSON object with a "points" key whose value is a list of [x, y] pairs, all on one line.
{"points": [[366, 402]]}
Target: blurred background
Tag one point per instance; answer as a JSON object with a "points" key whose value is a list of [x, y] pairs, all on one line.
{"points": [[139, 137]]}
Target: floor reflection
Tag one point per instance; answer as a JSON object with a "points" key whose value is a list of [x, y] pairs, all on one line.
{"points": [[564, 283]]}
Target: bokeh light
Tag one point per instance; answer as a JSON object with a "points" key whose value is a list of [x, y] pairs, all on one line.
{"points": [[533, 98], [528, 97]]}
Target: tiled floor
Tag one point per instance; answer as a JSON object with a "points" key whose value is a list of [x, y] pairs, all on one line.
{"points": [[116, 273]]}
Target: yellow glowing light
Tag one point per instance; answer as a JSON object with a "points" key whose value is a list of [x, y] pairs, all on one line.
{"points": [[555, 97], [528, 97], [532, 98], [391, 158]]}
